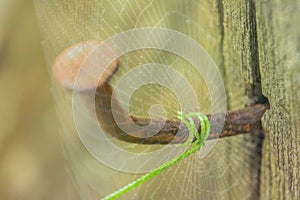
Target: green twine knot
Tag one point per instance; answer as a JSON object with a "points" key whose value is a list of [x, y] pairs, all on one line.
{"points": [[188, 121]]}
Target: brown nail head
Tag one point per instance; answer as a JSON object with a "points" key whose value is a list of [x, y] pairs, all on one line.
{"points": [[70, 60]]}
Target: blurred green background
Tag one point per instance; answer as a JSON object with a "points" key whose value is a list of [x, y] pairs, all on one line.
{"points": [[31, 157]]}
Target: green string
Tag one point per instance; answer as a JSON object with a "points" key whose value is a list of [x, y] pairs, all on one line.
{"points": [[188, 121]]}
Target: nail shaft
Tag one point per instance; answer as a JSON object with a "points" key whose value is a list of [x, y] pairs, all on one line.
{"points": [[235, 122]]}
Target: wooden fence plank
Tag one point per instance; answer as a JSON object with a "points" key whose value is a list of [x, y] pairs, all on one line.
{"points": [[279, 55]]}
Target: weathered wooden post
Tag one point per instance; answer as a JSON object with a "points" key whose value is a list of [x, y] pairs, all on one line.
{"points": [[255, 45]]}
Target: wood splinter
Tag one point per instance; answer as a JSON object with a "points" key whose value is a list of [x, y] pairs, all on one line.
{"points": [[71, 59]]}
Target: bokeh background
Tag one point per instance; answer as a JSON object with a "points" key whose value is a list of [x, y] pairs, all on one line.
{"points": [[31, 157]]}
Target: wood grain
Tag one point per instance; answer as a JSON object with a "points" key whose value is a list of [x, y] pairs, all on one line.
{"points": [[279, 41]]}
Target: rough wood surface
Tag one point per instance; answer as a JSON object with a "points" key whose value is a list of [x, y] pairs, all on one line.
{"points": [[242, 84], [279, 55]]}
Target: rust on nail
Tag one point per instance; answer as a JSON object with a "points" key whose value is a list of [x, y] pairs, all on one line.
{"points": [[66, 66]]}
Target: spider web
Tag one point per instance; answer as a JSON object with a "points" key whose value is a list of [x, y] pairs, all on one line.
{"points": [[223, 173]]}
